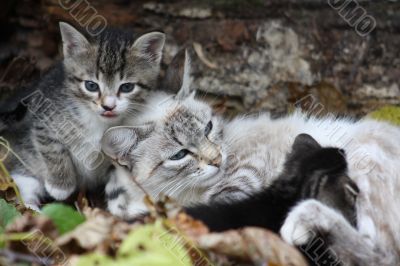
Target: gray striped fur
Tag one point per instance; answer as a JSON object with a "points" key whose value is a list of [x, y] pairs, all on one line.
{"points": [[60, 141]]}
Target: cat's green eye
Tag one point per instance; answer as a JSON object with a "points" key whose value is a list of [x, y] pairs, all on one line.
{"points": [[181, 154], [91, 86], [127, 87], [208, 128]]}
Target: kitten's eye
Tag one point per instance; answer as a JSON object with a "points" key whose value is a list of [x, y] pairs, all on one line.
{"points": [[127, 87], [91, 86], [181, 154], [208, 128]]}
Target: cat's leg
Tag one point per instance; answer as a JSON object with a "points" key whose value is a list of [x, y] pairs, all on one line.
{"points": [[225, 193], [122, 199], [31, 190], [236, 186], [312, 218], [59, 176]]}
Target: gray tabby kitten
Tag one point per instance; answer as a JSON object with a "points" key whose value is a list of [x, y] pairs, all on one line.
{"points": [[99, 84], [184, 150]]}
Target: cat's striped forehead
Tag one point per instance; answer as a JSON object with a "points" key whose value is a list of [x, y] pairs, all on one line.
{"points": [[112, 53]]}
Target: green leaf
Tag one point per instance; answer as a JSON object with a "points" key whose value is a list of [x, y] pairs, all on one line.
{"points": [[152, 245], [95, 259], [64, 217], [8, 213], [148, 245]]}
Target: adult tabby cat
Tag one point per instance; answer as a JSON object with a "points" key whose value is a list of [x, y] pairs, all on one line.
{"points": [[97, 85], [183, 149]]}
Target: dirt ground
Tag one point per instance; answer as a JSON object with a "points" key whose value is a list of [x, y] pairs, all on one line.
{"points": [[251, 55]]}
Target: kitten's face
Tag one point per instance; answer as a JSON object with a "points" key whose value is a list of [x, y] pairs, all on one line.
{"points": [[106, 75], [324, 175], [330, 182], [188, 145]]}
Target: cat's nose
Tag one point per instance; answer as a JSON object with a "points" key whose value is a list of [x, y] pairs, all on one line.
{"points": [[108, 108], [108, 103], [216, 161]]}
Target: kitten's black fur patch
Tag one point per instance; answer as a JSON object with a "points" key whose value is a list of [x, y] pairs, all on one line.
{"points": [[310, 171]]}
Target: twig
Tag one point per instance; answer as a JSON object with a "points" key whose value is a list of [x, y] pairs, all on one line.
{"points": [[199, 51], [12, 256]]}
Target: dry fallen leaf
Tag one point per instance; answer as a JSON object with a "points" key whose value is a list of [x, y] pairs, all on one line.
{"points": [[189, 226], [101, 232], [252, 244], [35, 235]]}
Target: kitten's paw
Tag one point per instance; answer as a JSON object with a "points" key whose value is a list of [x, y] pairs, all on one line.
{"points": [[31, 190], [124, 210], [33, 206], [295, 232], [299, 227], [57, 192]]}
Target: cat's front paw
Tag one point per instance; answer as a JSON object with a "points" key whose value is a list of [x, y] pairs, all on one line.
{"points": [[34, 207], [299, 226], [59, 192], [125, 208]]}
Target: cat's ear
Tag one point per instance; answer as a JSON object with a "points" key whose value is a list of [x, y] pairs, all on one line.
{"points": [[174, 74], [150, 46], [351, 190], [74, 42], [178, 76], [186, 89], [119, 142], [304, 143]]}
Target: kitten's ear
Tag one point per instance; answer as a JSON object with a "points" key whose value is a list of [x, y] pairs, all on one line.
{"points": [[150, 46], [351, 190], [178, 75], [73, 41], [119, 142], [303, 143], [174, 74], [185, 89]]}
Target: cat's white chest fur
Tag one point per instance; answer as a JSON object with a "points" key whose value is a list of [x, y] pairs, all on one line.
{"points": [[90, 162]]}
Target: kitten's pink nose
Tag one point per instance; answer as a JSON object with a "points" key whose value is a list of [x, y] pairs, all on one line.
{"points": [[108, 103], [108, 108]]}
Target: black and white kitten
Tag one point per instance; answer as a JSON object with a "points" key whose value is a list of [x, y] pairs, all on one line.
{"points": [[100, 83]]}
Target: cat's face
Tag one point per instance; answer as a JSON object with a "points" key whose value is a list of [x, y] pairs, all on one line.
{"points": [[106, 74], [178, 148], [324, 175], [179, 151]]}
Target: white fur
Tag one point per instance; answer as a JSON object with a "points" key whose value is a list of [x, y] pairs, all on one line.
{"points": [[121, 178], [29, 188], [58, 194], [306, 217]]}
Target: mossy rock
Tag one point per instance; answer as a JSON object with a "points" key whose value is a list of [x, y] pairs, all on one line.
{"points": [[387, 113]]}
